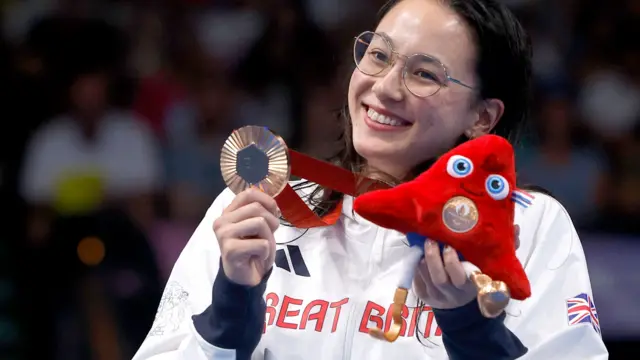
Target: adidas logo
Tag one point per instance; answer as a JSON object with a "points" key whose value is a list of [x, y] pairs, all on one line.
{"points": [[291, 258]]}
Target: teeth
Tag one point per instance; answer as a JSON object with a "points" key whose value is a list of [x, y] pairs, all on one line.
{"points": [[383, 119]]}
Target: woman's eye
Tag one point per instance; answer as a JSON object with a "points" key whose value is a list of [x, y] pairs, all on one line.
{"points": [[425, 75], [379, 55]]}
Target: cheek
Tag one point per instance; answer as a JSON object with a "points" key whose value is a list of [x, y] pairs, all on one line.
{"points": [[451, 112], [431, 116], [358, 86], [441, 122]]}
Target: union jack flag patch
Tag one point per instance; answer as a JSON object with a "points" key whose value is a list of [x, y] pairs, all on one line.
{"points": [[581, 310]]}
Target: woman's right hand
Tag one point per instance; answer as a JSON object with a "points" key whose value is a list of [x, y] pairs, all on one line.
{"points": [[245, 235]]}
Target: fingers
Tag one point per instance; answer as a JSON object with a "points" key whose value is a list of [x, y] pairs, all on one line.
{"points": [[250, 237], [240, 250], [424, 286], [250, 196], [253, 210], [444, 269], [434, 263], [245, 235], [256, 227], [248, 204], [454, 268]]}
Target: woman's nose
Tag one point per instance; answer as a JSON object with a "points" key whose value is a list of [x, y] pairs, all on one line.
{"points": [[390, 86]]}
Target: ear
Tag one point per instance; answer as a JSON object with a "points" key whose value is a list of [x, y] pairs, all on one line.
{"points": [[489, 113]]}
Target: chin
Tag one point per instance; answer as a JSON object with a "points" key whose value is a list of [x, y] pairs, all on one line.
{"points": [[375, 148], [383, 156]]}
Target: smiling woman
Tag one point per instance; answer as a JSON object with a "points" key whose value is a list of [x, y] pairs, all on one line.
{"points": [[444, 59], [431, 75]]}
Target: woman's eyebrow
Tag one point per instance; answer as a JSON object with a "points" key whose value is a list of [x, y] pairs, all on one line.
{"points": [[388, 38]]}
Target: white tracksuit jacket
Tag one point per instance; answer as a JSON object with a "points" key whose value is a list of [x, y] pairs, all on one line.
{"points": [[331, 284]]}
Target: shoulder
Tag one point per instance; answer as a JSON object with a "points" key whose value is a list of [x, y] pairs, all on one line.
{"points": [[546, 230], [217, 207], [221, 201], [539, 207]]}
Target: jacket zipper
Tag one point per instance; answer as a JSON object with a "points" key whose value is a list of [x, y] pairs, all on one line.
{"points": [[350, 332], [351, 325]]}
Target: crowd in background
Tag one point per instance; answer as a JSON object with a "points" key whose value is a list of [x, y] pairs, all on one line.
{"points": [[115, 113]]}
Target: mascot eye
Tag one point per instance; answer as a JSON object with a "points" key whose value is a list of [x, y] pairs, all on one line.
{"points": [[459, 166], [497, 187]]}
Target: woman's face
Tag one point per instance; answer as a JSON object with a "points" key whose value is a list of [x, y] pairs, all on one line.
{"points": [[428, 126]]}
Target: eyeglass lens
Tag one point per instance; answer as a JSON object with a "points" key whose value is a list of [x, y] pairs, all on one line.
{"points": [[423, 75]]}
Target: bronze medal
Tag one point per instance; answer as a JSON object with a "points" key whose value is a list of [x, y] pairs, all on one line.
{"points": [[253, 156]]}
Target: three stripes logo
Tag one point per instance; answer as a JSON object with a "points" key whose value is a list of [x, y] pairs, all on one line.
{"points": [[289, 258]]}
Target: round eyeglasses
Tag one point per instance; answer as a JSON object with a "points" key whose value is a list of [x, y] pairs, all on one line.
{"points": [[423, 75]]}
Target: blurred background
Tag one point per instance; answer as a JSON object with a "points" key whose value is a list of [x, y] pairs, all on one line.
{"points": [[115, 112]]}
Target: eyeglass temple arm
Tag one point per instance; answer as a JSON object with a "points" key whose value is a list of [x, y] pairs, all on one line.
{"points": [[459, 82]]}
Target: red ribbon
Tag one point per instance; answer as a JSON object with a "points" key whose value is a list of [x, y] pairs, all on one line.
{"points": [[325, 174]]}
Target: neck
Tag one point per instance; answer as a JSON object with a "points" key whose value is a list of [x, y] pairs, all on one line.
{"points": [[389, 174]]}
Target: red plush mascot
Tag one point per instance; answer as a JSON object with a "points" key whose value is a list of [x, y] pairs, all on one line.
{"points": [[465, 200]]}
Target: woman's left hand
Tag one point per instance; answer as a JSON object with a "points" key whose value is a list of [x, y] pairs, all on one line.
{"points": [[440, 281]]}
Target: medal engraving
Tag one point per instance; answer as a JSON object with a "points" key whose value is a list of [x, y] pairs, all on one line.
{"points": [[460, 214], [255, 157], [252, 164]]}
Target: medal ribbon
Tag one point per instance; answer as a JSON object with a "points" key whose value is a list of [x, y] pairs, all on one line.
{"points": [[325, 174]]}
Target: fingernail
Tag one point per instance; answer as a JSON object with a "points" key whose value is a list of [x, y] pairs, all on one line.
{"points": [[278, 213], [448, 249], [427, 246], [433, 247]]}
